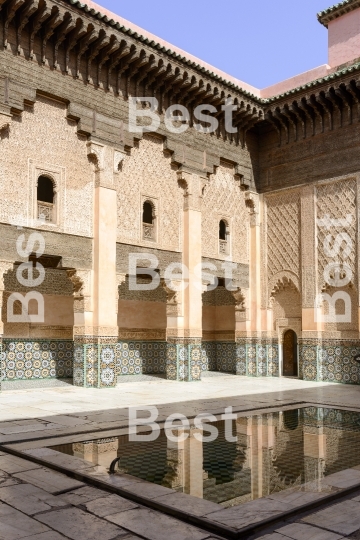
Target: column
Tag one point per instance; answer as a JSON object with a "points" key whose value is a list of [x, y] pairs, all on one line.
{"points": [[101, 452], [4, 267], [184, 333], [96, 330], [185, 462], [311, 330], [314, 457]]}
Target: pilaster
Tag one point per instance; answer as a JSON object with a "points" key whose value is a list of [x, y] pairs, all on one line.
{"points": [[4, 267], [184, 310], [95, 302]]}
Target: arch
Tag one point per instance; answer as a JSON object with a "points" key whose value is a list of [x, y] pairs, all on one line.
{"points": [[283, 280], [222, 229], [148, 212], [224, 237], [290, 354], [45, 189], [46, 198], [149, 220]]}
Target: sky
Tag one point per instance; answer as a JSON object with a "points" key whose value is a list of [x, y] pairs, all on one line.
{"points": [[260, 42]]}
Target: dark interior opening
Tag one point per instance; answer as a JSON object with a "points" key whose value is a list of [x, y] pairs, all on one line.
{"points": [[45, 190], [147, 213], [222, 230]]}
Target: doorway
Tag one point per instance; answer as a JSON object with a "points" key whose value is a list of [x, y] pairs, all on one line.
{"points": [[290, 360]]}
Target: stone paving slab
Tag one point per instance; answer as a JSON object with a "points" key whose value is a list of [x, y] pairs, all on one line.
{"points": [[29, 499], [15, 525], [186, 503], [50, 481], [112, 504], [83, 495], [12, 464], [238, 517], [51, 535], [301, 531], [156, 526], [75, 524], [343, 518]]}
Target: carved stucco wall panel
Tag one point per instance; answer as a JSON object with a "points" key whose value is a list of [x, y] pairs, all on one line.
{"points": [[283, 239], [148, 171], [337, 200], [224, 199], [44, 136]]}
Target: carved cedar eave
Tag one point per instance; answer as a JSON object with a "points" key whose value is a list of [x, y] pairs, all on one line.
{"points": [[303, 115], [95, 50], [24, 16]]}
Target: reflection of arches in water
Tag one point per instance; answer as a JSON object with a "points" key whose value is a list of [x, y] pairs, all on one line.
{"points": [[290, 363], [291, 419]]}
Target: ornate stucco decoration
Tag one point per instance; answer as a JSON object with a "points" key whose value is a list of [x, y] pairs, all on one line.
{"points": [[173, 297], [253, 204]]}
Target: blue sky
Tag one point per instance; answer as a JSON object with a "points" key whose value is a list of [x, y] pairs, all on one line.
{"points": [[260, 42]]}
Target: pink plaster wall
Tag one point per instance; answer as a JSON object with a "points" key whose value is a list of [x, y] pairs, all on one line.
{"points": [[59, 310], [149, 315], [344, 38], [294, 82], [218, 318]]}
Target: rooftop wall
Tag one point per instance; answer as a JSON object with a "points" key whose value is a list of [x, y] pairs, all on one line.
{"points": [[344, 38]]}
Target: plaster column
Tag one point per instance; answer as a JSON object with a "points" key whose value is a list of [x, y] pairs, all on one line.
{"points": [[185, 462], [314, 457], [96, 330], [185, 333], [312, 326], [4, 267]]}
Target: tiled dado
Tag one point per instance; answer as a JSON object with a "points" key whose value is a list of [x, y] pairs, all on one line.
{"points": [[140, 357], [329, 361], [184, 360], [95, 362], [23, 359], [257, 358], [245, 357]]}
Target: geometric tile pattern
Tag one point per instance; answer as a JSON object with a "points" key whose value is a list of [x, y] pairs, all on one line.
{"points": [[140, 357], [329, 361], [94, 362], [247, 357], [257, 358], [184, 360], [319, 417], [25, 359]]}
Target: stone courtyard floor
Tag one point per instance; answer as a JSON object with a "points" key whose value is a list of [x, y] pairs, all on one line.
{"points": [[41, 503]]}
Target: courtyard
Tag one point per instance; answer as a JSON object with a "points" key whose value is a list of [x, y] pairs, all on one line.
{"points": [[47, 495]]}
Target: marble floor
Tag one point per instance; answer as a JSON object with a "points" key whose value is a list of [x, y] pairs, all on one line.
{"points": [[39, 503]]}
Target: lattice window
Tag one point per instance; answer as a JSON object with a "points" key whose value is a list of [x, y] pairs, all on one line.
{"points": [[45, 199]]}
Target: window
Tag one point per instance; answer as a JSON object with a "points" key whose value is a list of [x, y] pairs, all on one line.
{"points": [[45, 199], [223, 238], [149, 221]]}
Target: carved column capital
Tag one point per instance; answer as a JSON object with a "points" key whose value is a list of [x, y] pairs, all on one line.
{"points": [[253, 204], [192, 185]]}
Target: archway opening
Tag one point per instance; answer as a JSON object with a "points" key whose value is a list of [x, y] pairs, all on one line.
{"points": [[290, 356]]}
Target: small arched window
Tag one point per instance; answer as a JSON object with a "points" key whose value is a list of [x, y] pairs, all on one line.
{"points": [[222, 230], [223, 237], [148, 213], [149, 221], [45, 199]]}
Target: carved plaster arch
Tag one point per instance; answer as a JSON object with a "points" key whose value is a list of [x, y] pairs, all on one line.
{"points": [[282, 280]]}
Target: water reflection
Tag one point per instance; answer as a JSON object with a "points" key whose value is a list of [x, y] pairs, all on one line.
{"points": [[275, 451]]}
